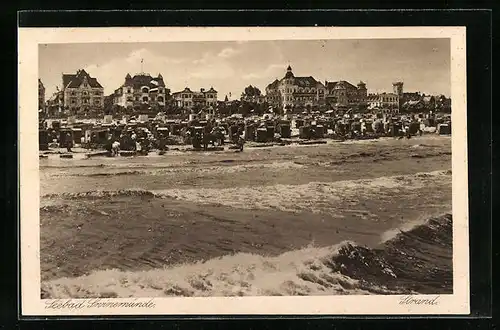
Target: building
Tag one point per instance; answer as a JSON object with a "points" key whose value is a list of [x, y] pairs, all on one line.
{"points": [[383, 101], [413, 105], [429, 101], [55, 104], [343, 93], [292, 91], [258, 99], [188, 99], [81, 92], [142, 89], [411, 96], [397, 88], [417, 101], [443, 103], [41, 96]]}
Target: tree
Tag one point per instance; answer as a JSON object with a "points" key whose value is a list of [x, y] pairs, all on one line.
{"points": [[108, 104], [252, 91]]}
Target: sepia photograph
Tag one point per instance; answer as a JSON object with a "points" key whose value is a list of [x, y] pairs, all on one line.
{"points": [[271, 167]]}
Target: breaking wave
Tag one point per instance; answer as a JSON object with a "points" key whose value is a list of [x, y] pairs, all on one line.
{"points": [[313, 196], [414, 261]]}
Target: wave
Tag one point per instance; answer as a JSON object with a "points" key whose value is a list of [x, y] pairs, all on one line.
{"points": [[162, 170], [102, 194], [314, 196], [416, 261]]}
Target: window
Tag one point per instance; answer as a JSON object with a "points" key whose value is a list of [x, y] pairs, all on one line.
{"points": [[85, 101], [85, 85], [160, 90], [145, 90], [130, 99], [97, 93], [73, 93], [96, 101], [129, 90], [160, 99], [145, 99], [84, 93], [73, 101], [137, 98]]}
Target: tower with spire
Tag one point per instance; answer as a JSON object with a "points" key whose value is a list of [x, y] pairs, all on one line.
{"points": [[289, 73]]}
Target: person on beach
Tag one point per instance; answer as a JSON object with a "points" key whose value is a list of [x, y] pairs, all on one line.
{"points": [[162, 143], [196, 141], [363, 127], [207, 135], [241, 142], [115, 148], [134, 141], [69, 142], [217, 134]]}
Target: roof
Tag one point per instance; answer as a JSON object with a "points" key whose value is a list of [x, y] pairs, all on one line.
{"points": [[187, 90], [76, 80], [332, 84], [305, 81], [144, 79], [289, 74], [274, 84]]}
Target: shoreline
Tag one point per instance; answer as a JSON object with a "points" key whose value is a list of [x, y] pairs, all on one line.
{"points": [[82, 153]]}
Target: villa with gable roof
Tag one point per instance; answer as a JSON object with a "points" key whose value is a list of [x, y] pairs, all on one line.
{"points": [[141, 89], [188, 99], [81, 92]]}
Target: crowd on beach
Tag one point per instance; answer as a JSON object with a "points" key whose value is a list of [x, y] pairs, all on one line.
{"points": [[140, 137]]}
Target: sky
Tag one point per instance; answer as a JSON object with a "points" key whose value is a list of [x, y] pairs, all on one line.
{"points": [[229, 66]]}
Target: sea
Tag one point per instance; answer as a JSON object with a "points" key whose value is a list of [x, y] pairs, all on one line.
{"points": [[354, 217]]}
